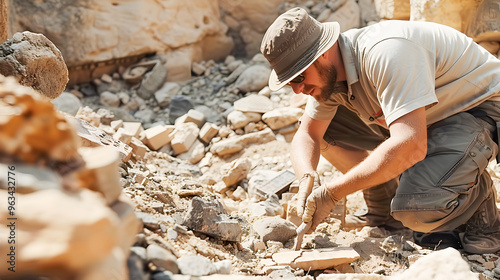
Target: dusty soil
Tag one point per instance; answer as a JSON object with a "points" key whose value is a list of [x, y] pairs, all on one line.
{"points": [[380, 250]]}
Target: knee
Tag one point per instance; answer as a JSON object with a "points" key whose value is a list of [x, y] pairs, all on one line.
{"points": [[413, 221], [423, 212]]}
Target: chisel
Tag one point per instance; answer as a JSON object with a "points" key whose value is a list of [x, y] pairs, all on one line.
{"points": [[301, 230]]}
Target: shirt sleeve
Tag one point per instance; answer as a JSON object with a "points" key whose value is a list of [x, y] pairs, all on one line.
{"points": [[402, 73], [324, 110]]}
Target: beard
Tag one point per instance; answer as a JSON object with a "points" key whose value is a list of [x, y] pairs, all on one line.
{"points": [[331, 87]]}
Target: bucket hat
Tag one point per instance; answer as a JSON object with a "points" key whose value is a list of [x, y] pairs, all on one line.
{"points": [[293, 42]]}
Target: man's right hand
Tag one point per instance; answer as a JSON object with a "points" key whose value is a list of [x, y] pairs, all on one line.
{"points": [[307, 183]]}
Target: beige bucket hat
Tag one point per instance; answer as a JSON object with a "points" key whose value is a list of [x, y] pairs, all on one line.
{"points": [[293, 42]]}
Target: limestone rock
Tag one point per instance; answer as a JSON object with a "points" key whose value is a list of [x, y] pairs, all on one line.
{"points": [[163, 258], [254, 103], [237, 119], [210, 218], [250, 20], [368, 12], [393, 9], [129, 225], [353, 276], [236, 171], [153, 79], [122, 135], [109, 99], [270, 207], [480, 20], [317, 258], [166, 93], [282, 117], [491, 46], [145, 115], [138, 148], [91, 136], [195, 153], [195, 265], [148, 220], [440, 265], [236, 144], [275, 228], [31, 129], [254, 78], [208, 131], [454, 13], [87, 114], [236, 73], [29, 178], [57, 230], [193, 116], [101, 171], [179, 64], [68, 103], [348, 15], [35, 62], [158, 136], [223, 267], [113, 267], [184, 136], [133, 128]]}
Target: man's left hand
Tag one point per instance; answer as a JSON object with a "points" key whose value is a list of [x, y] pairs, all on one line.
{"points": [[319, 204]]}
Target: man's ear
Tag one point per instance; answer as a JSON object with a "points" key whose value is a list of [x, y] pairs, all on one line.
{"points": [[328, 53]]}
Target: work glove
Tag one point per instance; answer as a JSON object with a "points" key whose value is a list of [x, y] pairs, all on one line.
{"points": [[319, 204], [307, 183]]}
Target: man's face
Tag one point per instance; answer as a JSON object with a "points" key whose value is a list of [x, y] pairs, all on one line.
{"points": [[319, 81]]}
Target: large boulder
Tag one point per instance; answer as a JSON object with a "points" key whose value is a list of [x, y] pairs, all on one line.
{"points": [[35, 62]]}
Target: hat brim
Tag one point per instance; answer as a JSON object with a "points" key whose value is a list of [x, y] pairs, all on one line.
{"points": [[329, 36]]}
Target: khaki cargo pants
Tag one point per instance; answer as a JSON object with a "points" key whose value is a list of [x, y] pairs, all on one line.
{"points": [[444, 190]]}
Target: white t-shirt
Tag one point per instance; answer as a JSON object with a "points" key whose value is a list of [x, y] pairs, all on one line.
{"points": [[395, 67]]}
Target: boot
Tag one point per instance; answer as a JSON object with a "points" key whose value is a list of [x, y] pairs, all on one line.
{"points": [[378, 199], [356, 221], [438, 240], [482, 232]]}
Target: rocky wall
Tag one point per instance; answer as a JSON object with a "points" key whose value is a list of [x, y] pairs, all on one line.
{"points": [[94, 30], [96, 37]]}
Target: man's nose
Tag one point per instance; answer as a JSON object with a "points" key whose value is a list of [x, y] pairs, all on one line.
{"points": [[297, 87]]}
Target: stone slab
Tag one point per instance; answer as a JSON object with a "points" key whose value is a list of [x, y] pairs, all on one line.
{"points": [[278, 184], [317, 258], [352, 276]]}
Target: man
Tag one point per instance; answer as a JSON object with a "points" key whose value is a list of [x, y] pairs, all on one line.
{"points": [[408, 111]]}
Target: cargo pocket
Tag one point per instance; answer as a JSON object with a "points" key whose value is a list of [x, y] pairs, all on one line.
{"points": [[465, 173], [427, 208]]}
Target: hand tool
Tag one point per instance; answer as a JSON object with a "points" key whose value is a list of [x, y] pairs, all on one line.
{"points": [[301, 230]]}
